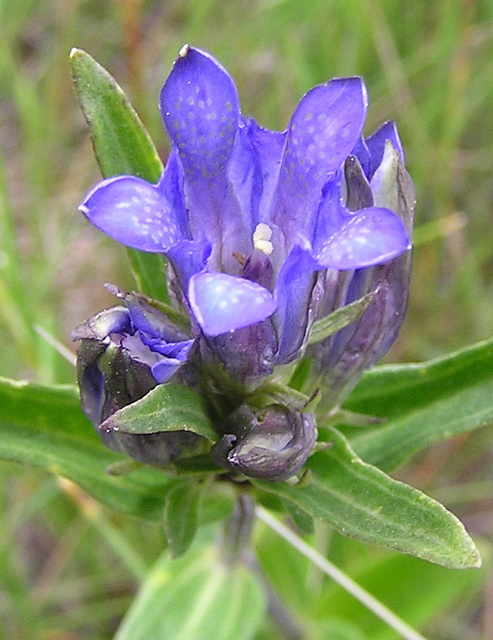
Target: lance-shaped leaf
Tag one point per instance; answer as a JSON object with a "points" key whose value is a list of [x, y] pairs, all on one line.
{"points": [[68, 445], [44, 426], [424, 403], [361, 501], [195, 597], [181, 516], [122, 147]]}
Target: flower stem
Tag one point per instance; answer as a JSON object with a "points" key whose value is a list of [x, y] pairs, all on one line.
{"points": [[237, 530], [287, 624], [343, 580]]}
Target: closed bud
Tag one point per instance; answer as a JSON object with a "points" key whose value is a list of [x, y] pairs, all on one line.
{"points": [[272, 444], [115, 369]]}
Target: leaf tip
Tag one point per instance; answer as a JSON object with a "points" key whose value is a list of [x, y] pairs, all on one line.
{"points": [[470, 559], [475, 560], [75, 52]]}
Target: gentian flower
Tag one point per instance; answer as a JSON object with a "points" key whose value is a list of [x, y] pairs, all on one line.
{"points": [[124, 353], [266, 232]]}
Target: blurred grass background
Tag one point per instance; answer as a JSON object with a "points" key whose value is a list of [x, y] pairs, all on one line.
{"points": [[427, 65]]}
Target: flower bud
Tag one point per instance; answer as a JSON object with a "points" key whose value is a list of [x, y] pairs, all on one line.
{"points": [[272, 444], [114, 369], [341, 359]]}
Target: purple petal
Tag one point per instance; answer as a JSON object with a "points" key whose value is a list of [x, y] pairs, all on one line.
{"points": [[175, 350], [324, 129], [200, 110], [133, 212], [189, 257], [171, 185], [330, 217], [294, 295], [174, 356], [147, 318], [223, 303], [199, 107], [371, 236], [266, 149], [376, 144], [165, 369]]}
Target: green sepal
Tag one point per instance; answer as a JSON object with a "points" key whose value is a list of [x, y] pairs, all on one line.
{"points": [[167, 407], [339, 319]]}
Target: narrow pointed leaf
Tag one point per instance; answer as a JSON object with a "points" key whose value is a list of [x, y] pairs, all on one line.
{"points": [[196, 597], [423, 403], [336, 321], [122, 147], [66, 444], [362, 502], [181, 516]]}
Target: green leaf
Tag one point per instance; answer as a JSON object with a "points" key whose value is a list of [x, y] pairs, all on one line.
{"points": [[181, 516], [122, 147], [44, 426], [361, 501], [196, 597], [424, 403], [336, 321], [300, 518], [168, 407], [217, 502], [121, 143]]}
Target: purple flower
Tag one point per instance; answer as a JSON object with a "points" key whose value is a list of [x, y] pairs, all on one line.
{"points": [[248, 217], [124, 353], [375, 174], [266, 232]]}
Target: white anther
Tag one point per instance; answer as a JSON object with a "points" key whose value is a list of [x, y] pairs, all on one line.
{"points": [[184, 51], [261, 238]]}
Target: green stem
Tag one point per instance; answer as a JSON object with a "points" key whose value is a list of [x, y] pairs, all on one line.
{"points": [[343, 580]]}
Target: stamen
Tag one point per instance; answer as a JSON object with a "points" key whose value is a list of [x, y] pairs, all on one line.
{"points": [[261, 238], [240, 257], [184, 51]]}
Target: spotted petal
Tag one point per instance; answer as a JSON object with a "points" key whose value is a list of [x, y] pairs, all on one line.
{"points": [[324, 129], [199, 107], [200, 110], [223, 303], [133, 212], [370, 236]]}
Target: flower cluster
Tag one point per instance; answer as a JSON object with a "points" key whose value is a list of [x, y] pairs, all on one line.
{"points": [[266, 233]]}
